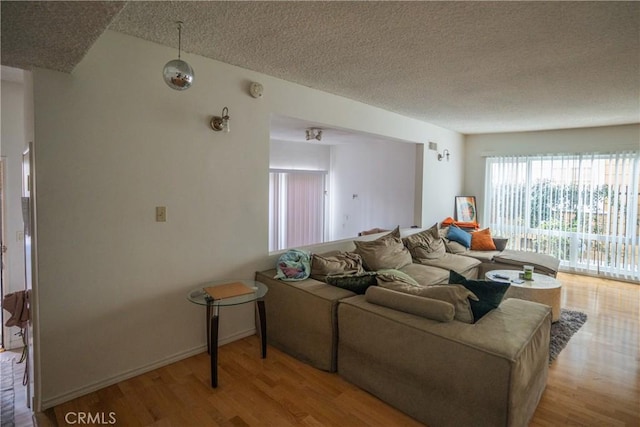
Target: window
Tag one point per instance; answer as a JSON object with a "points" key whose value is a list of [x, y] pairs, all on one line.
{"points": [[581, 208], [296, 208]]}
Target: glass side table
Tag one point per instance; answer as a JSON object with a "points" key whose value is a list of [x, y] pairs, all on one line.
{"points": [[200, 297]]}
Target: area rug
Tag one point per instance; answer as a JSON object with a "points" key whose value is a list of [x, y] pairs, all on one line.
{"points": [[7, 395], [562, 331]]}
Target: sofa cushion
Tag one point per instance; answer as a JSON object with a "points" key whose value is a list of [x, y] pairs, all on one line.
{"points": [[341, 263], [384, 252], [357, 283], [458, 296], [426, 275], [545, 264], [489, 293], [429, 308], [481, 240], [482, 256], [457, 234], [458, 263], [427, 244]]}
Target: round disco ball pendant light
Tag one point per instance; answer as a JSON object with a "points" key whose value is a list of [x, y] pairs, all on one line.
{"points": [[177, 73]]}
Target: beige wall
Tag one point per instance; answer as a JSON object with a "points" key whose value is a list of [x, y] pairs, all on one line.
{"points": [[598, 139], [112, 143]]}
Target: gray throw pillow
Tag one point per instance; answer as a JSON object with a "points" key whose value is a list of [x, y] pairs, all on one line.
{"points": [[427, 244], [341, 263], [501, 243], [387, 251]]}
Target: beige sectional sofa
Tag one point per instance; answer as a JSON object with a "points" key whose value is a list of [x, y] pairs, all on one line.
{"points": [[410, 351], [491, 373]]}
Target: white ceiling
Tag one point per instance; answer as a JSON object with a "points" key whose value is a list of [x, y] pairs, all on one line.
{"points": [[474, 67]]}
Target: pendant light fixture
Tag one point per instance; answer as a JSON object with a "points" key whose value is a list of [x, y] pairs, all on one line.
{"points": [[178, 74]]}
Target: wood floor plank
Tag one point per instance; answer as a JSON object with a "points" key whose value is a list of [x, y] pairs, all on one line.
{"points": [[593, 382]]}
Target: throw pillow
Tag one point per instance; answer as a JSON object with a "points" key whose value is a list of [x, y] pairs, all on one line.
{"points": [[481, 240], [385, 252], [489, 293], [501, 243], [355, 283], [425, 307], [455, 247], [426, 244], [392, 275], [459, 235], [341, 263], [458, 296]]}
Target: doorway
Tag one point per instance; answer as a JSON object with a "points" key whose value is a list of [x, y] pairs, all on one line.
{"points": [[2, 251]]}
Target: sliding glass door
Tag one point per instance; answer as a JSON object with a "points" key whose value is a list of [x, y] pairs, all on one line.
{"points": [[581, 208]]}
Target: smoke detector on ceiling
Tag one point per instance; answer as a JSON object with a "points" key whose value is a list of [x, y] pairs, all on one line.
{"points": [[314, 133]]}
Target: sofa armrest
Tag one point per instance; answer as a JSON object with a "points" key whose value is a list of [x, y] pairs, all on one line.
{"points": [[302, 318], [491, 373]]}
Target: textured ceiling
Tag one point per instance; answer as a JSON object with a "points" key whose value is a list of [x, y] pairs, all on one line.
{"points": [[473, 67]]}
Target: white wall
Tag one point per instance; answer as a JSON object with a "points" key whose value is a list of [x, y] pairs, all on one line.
{"points": [[441, 180], [300, 156], [112, 143], [13, 145], [598, 139], [381, 174], [372, 185]]}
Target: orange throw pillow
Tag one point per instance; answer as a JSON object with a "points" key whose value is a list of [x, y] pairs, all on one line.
{"points": [[482, 241]]}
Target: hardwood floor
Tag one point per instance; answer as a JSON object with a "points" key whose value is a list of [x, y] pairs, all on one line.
{"points": [[22, 414], [593, 382]]}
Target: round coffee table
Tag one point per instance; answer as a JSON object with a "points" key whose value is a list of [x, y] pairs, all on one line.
{"points": [[543, 289]]}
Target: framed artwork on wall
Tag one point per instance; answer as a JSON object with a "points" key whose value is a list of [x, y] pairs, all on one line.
{"points": [[466, 209]]}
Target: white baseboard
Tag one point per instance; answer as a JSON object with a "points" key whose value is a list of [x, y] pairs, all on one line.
{"points": [[89, 388]]}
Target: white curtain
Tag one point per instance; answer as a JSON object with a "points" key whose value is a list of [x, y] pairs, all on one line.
{"points": [[581, 208], [296, 208]]}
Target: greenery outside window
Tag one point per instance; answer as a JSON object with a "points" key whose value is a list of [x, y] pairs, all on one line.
{"points": [[581, 208]]}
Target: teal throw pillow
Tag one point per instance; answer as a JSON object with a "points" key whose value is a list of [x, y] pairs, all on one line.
{"points": [[489, 293], [459, 235], [357, 283]]}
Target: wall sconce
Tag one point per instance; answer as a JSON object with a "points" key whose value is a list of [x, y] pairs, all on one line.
{"points": [[314, 133], [444, 154], [221, 123]]}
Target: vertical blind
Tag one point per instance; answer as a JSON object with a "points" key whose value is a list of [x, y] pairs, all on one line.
{"points": [[581, 208], [296, 208]]}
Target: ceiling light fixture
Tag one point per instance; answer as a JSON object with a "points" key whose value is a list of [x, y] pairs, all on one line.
{"points": [[314, 133], [178, 74], [221, 123]]}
